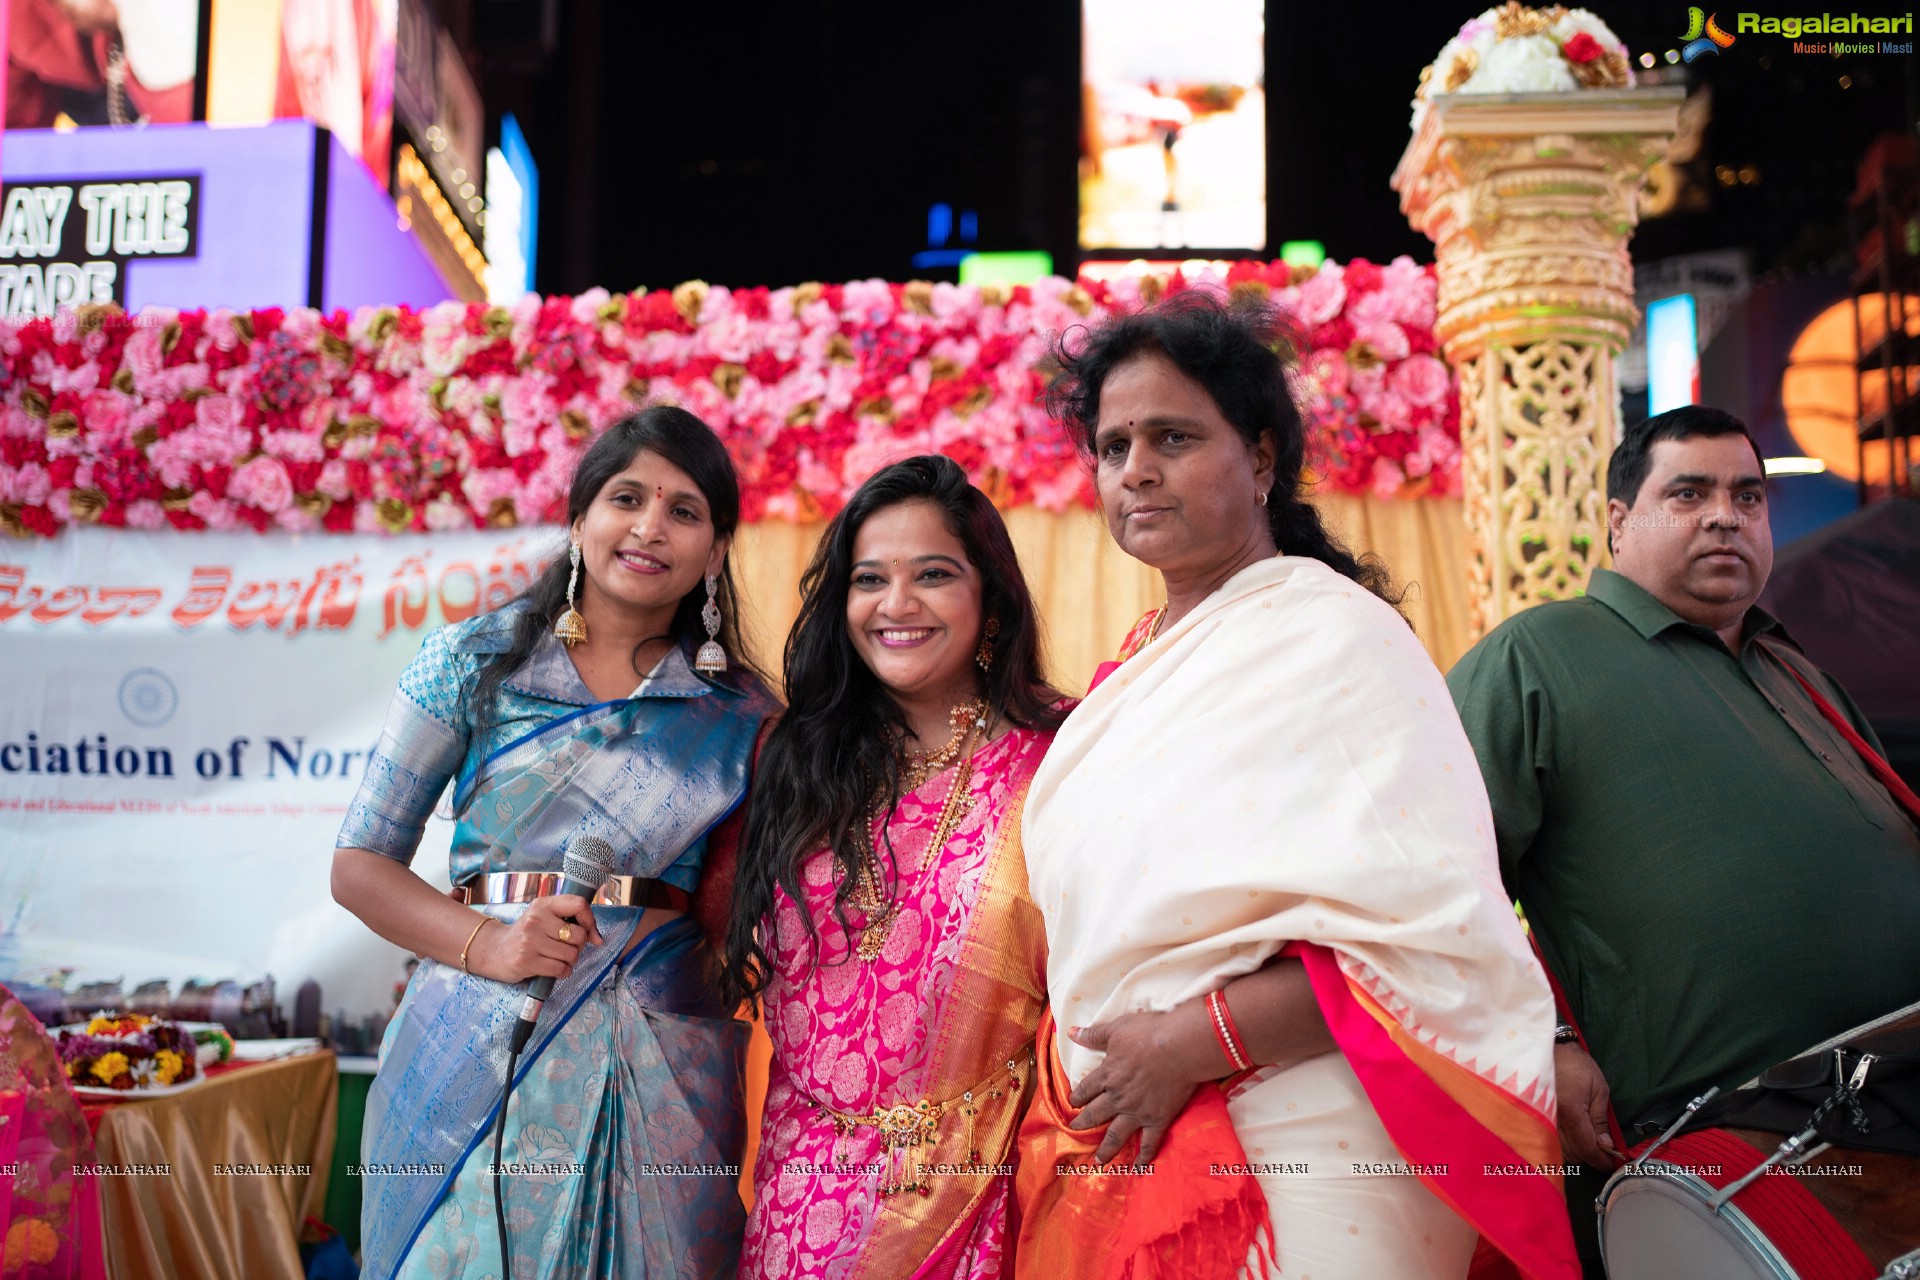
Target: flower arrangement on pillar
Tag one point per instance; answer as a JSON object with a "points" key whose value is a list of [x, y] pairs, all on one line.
{"points": [[1514, 49]]}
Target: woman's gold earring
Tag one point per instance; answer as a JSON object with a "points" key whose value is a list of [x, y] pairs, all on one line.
{"points": [[572, 628], [984, 654]]}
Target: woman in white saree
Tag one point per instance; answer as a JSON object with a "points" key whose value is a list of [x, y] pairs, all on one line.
{"points": [[1263, 852]]}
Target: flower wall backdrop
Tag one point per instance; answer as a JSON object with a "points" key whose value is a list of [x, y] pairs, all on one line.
{"points": [[467, 415]]}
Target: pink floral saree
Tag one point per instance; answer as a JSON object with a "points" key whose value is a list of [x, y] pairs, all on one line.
{"points": [[934, 1036], [49, 1204]]}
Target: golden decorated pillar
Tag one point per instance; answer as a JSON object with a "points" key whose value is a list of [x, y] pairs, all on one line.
{"points": [[1529, 200]]}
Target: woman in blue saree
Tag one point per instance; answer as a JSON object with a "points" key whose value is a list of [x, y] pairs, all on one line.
{"points": [[611, 701]]}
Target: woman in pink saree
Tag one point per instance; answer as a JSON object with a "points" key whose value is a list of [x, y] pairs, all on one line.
{"points": [[881, 913], [49, 1205]]}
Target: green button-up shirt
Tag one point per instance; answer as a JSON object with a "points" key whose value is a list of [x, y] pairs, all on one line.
{"points": [[1713, 874]]}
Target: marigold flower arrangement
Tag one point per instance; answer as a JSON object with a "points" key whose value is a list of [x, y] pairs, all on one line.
{"points": [[1515, 49], [467, 415], [128, 1051]]}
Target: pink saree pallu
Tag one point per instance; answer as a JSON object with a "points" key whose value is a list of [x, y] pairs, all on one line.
{"points": [[898, 1081], [49, 1204]]}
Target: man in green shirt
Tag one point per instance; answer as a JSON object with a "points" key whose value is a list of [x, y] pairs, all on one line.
{"points": [[1714, 875]]}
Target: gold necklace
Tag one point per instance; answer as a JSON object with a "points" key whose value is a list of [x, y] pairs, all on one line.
{"points": [[1154, 631], [878, 906], [917, 767]]}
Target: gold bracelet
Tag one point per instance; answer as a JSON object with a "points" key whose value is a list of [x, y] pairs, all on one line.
{"points": [[485, 920]]}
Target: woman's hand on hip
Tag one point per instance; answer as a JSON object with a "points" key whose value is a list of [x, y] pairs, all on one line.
{"points": [[1139, 1088], [541, 943]]}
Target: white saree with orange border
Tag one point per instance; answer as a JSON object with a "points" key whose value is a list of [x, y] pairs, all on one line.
{"points": [[1284, 770]]}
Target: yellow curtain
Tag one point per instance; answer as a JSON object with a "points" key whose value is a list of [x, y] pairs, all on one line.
{"points": [[1089, 592]]}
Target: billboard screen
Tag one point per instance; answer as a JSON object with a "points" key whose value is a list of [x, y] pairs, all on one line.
{"points": [[124, 63], [336, 69], [195, 216], [1173, 132]]}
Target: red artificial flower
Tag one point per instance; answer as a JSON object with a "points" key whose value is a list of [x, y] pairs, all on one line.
{"points": [[1582, 49], [39, 520], [1362, 277]]}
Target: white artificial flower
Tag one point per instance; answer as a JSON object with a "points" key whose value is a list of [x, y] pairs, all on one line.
{"points": [[1524, 64]]}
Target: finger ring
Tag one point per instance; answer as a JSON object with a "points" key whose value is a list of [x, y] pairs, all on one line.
{"points": [[566, 933]]}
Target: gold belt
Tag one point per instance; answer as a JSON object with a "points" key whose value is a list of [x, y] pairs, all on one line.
{"points": [[524, 886], [908, 1125]]}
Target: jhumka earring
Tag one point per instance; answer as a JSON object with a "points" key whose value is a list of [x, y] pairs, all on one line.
{"points": [[984, 654], [712, 658], [572, 628]]}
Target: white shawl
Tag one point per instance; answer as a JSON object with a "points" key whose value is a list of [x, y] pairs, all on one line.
{"points": [[1284, 763]]}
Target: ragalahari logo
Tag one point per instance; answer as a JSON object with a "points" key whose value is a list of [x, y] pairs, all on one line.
{"points": [[1703, 35]]}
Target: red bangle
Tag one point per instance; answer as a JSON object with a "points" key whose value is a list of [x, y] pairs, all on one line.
{"points": [[1225, 1031]]}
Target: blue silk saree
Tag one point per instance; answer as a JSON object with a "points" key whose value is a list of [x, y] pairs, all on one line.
{"points": [[626, 1125]]}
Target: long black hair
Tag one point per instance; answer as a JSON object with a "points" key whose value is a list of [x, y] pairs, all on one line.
{"points": [[1239, 353], [689, 444], [818, 773]]}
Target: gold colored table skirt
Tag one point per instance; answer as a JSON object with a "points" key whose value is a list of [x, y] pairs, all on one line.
{"points": [[203, 1219]]}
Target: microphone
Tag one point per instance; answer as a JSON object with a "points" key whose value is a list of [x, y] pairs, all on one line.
{"points": [[588, 863]]}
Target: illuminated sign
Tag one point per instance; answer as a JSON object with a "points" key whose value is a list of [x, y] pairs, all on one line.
{"points": [[513, 201], [1173, 133], [67, 243], [1673, 354]]}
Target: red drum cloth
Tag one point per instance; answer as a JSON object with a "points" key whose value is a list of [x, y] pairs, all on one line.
{"points": [[1812, 1241]]}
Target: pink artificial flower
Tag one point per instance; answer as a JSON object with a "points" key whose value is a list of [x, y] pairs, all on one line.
{"points": [[731, 336], [1323, 297], [296, 519], [28, 484], [1410, 289], [1388, 340], [1363, 384], [220, 415], [487, 486], [1327, 371], [1422, 379], [142, 355], [585, 307], [145, 513], [221, 329], [107, 416], [1390, 408], [75, 381], [443, 339], [293, 445], [334, 481], [262, 482], [1387, 478], [219, 513]]}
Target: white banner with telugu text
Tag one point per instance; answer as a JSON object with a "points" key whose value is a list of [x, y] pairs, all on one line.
{"points": [[187, 716]]}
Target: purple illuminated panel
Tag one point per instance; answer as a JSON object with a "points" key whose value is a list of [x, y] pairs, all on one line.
{"points": [[255, 201], [370, 261], [256, 188]]}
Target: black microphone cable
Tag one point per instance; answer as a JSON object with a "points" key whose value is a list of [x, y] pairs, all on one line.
{"points": [[586, 866], [499, 1138]]}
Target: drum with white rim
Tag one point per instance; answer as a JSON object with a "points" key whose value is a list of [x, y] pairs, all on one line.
{"points": [[1809, 1172]]}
